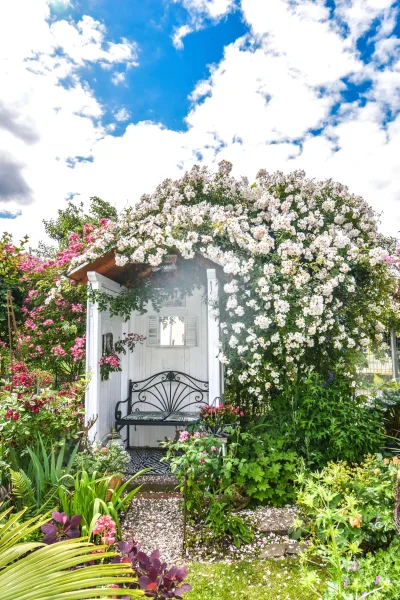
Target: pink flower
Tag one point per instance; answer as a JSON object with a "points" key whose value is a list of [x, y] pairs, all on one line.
{"points": [[202, 461], [108, 541], [213, 449], [77, 308], [241, 413], [183, 436], [58, 350], [197, 434], [78, 349], [105, 525], [48, 322]]}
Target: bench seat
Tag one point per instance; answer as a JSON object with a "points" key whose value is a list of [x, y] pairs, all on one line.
{"points": [[171, 398], [157, 416]]}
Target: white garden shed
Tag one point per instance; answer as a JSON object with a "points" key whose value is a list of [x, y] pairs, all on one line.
{"points": [[171, 374]]}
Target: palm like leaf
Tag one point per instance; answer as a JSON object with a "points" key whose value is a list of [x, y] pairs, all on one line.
{"points": [[34, 571]]}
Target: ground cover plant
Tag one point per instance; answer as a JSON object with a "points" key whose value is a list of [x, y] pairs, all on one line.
{"points": [[250, 580]]}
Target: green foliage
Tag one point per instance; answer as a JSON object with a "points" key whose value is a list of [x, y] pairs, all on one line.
{"points": [[223, 523], [93, 496], [58, 571], [35, 488], [325, 420], [368, 489], [379, 570], [263, 467], [253, 466], [387, 394], [346, 510], [103, 460], [205, 477], [73, 219]]}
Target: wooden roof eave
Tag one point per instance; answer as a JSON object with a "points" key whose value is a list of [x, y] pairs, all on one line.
{"points": [[106, 265]]}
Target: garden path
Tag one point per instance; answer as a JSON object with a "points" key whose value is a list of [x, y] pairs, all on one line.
{"points": [[155, 519]]}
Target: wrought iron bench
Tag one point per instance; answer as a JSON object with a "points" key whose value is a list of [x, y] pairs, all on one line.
{"points": [[162, 399]]}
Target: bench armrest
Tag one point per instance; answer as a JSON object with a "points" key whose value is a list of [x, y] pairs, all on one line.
{"points": [[118, 412]]}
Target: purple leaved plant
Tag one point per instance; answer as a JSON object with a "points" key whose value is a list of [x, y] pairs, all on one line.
{"points": [[62, 528], [154, 577]]}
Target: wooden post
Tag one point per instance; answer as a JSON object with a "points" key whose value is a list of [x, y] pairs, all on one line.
{"points": [[214, 366], [184, 514], [395, 358]]}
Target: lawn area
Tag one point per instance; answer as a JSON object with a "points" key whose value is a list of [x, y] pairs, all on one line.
{"points": [[247, 580]]}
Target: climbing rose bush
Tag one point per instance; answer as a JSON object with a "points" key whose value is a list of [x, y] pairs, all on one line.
{"points": [[307, 283]]}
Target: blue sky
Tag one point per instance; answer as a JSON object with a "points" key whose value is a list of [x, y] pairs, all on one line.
{"points": [[158, 90], [108, 97]]}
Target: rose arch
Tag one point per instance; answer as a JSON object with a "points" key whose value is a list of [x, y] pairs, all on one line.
{"points": [[304, 283]]}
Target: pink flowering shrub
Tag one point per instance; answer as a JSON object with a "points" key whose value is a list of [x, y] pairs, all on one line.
{"points": [[29, 409]]}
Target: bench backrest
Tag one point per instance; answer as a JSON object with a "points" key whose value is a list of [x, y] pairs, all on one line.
{"points": [[169, 392]]}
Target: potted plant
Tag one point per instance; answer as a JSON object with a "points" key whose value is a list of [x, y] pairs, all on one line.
{"points": [[219, 419]]}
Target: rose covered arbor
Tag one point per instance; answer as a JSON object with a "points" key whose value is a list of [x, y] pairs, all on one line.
{"points": [[262, 281]]}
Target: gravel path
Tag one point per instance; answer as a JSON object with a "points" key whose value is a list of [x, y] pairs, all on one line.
{"points": [[155, 520]]}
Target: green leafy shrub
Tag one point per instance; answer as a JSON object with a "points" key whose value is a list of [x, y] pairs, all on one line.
{"points": [[263, 468], [366, 492], [103, 460], [204, 473], [325, 420]]}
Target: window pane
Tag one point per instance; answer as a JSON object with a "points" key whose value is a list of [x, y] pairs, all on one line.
{"points": [[172, 331]]}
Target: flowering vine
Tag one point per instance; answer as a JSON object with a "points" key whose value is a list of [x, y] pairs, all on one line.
{"points": [[307, 282]]}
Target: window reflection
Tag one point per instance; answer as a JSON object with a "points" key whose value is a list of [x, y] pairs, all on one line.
{"points": [[172, 331]]}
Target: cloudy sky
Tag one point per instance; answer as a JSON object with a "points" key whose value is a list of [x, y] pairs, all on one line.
{"points": [[109, 97]]}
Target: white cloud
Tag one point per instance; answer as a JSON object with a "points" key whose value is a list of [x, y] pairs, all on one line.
{"points": [[122, 115], [199, 11], [212, 8], [118, 78], [179, 34], [259, 108]]}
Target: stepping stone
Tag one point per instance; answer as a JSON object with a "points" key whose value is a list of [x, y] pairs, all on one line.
{"points": [[273, 551], [294, 548], [278, 524]]}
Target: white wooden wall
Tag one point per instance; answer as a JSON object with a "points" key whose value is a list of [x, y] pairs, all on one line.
{"points": [[148, 360], [102, 396]]}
